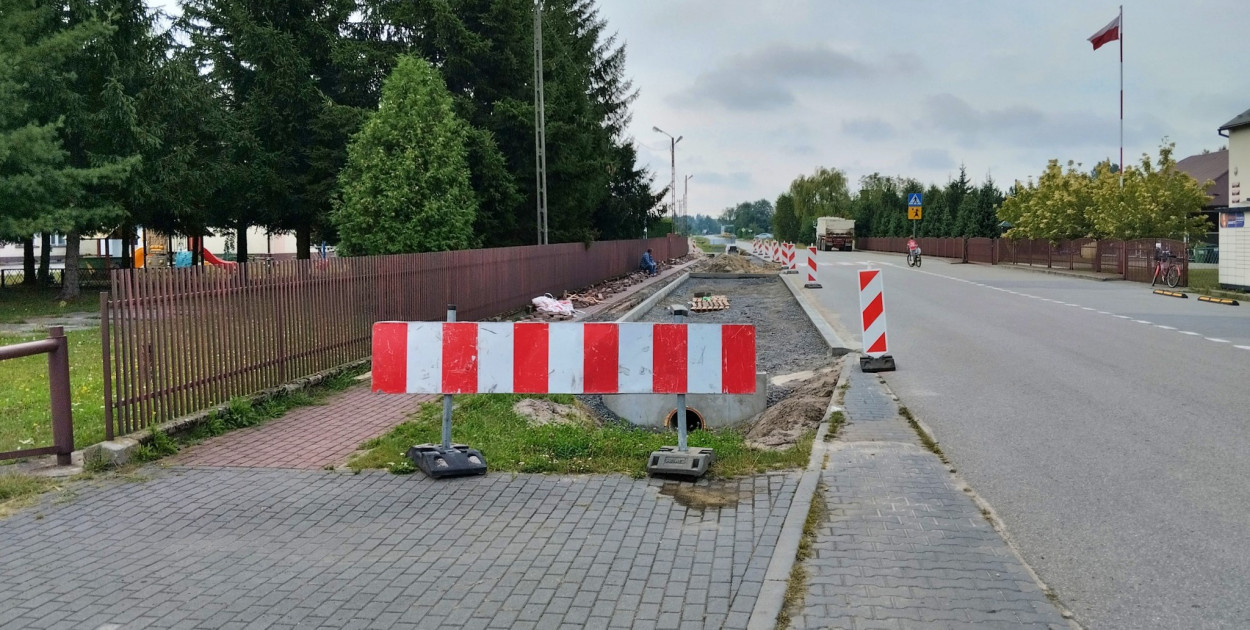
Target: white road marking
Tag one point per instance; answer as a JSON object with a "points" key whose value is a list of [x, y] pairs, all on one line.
{"points": [[1166, 327], [1242, 347], [1216, 340], [1140, 321], [1086, 308], [1187, 332]]}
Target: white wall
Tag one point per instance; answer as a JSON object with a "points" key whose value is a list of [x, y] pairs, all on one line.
{"points": [[259, 243], [1235, 241]]}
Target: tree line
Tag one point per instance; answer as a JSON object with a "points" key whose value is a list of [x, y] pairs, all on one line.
{"points": [[259, 113], [1153, 199]]}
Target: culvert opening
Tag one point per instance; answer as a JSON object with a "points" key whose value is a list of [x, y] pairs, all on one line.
{"points": [[694, 419]]}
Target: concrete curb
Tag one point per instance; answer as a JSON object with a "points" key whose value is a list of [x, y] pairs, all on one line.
{"points": [[822, 326], [772, 597], [649, 303]]}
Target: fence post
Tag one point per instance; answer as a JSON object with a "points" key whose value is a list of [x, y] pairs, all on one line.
{"points": [[58, 388], [106, 358], [1124, 259]]}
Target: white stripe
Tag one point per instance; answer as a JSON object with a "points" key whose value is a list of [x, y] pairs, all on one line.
{"points": [[425, 358], [1242, 347], [494, 357], [1140, 321], [869, 293], [703, 360], [1190, 333], [565, 366], [1167, 327], [635, 364], [1216, 340]]}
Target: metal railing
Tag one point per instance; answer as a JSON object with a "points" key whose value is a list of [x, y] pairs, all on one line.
{"points": [[176, 341], [57, 349]]}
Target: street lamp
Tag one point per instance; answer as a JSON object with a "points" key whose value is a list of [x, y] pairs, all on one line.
{"points": [[672, 152]]}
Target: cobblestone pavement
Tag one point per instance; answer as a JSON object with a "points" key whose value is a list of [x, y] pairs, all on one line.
{"points": [[903, 546], [265, 548], [309, 437]]}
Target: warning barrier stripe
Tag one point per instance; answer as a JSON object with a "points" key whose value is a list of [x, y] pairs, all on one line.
{"points": [[872, 312], [811, 264], [1215, 300], [1176, 294], [562, 358]]}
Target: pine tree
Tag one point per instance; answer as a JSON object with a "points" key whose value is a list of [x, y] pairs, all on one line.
{"points": [[406, 187]]}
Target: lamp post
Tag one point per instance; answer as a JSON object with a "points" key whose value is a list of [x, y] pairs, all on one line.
{"points": [[672, 152]]}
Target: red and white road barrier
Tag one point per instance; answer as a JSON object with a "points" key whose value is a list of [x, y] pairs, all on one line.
{"points": [[872, 312], [791, 263], [812, 283], [562, 358]]}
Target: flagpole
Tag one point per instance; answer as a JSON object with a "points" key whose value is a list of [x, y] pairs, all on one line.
{"points": [[1121, 96]]}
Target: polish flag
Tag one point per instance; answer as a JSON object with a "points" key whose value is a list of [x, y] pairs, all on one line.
{"points": [[1109, 33]]}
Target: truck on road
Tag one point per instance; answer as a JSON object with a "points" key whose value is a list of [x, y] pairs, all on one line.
{"points": [[835, 233]]}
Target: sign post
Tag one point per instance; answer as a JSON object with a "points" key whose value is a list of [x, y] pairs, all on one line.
{"points": [[915, 202]]}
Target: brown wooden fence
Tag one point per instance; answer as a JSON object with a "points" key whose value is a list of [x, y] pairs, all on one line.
{"points": [[178, 341], [1130, 260]]}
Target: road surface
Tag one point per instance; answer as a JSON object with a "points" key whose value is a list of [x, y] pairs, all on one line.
{"points": [[1106, 425]]}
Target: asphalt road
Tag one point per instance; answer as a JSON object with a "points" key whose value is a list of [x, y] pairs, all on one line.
{"points": [[1106, 425]]}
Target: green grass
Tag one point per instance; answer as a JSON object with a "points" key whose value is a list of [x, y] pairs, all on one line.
{"points": [[19, 303], [19, 491], [25, 416], [796, 588], [1204, 279], [509, 444], [707, 247]]}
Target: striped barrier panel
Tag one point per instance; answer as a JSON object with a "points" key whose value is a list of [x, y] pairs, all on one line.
{"points": [[563, 358], [872, 312]]}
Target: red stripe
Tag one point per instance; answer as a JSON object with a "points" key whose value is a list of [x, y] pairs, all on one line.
{"points": [[529, 358], [390, 357], [668, 362], [873, 311], [866, 276], [459, 358], [600, 358], [737, 347], [878, 345]]}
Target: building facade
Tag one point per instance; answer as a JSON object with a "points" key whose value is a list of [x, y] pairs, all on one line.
{"points": [[1234, 234]]}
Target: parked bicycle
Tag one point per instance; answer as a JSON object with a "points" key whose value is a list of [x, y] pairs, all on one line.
{"points": [[1166, 269]]}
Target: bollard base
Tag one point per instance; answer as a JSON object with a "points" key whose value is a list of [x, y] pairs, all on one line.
{"points": [[693, 462], [883, 363], [812, 285], [790, 271], [458, 461]]}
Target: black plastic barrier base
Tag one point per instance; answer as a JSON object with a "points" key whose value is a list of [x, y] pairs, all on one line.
{"points": [[458, 461], [883, 363], [692, 462]]}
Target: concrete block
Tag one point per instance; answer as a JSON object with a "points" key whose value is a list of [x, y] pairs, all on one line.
{"points": [[717, 410], [109, 454]]}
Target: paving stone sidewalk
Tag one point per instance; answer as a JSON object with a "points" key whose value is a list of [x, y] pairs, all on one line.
{"points": [[903, 546], [256, 548]]}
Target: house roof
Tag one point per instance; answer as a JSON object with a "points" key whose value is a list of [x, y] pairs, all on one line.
{"points": [[1240, 121], [1211, 166]]}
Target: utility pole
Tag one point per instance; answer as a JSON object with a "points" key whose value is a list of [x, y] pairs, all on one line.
{"points": [[540, 126], [672, 152], [685, 204]]}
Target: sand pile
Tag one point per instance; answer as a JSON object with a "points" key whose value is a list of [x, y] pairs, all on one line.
{"points": [[781, 425], [733, 263]]}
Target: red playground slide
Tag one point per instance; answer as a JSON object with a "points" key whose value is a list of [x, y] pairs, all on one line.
{"points": [[208, 256]]}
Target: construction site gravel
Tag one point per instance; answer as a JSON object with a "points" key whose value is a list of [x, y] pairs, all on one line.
{"points": [[786, 343]]}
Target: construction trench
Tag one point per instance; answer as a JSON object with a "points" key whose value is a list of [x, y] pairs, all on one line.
{"points": [[795, 367]]}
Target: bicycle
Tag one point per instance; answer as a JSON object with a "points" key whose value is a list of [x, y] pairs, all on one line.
{"points": [[1167, 270], [913, 258]]}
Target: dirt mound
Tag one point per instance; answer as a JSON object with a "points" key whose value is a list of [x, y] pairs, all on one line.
{"points": [[541, 412], [781, 425], [733, 263]]}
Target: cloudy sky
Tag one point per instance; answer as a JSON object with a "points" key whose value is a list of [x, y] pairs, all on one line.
{"points": [[765, 90]]}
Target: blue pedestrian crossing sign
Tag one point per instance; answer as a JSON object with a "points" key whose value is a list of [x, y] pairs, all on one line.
{"points": [[913, 199]]}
